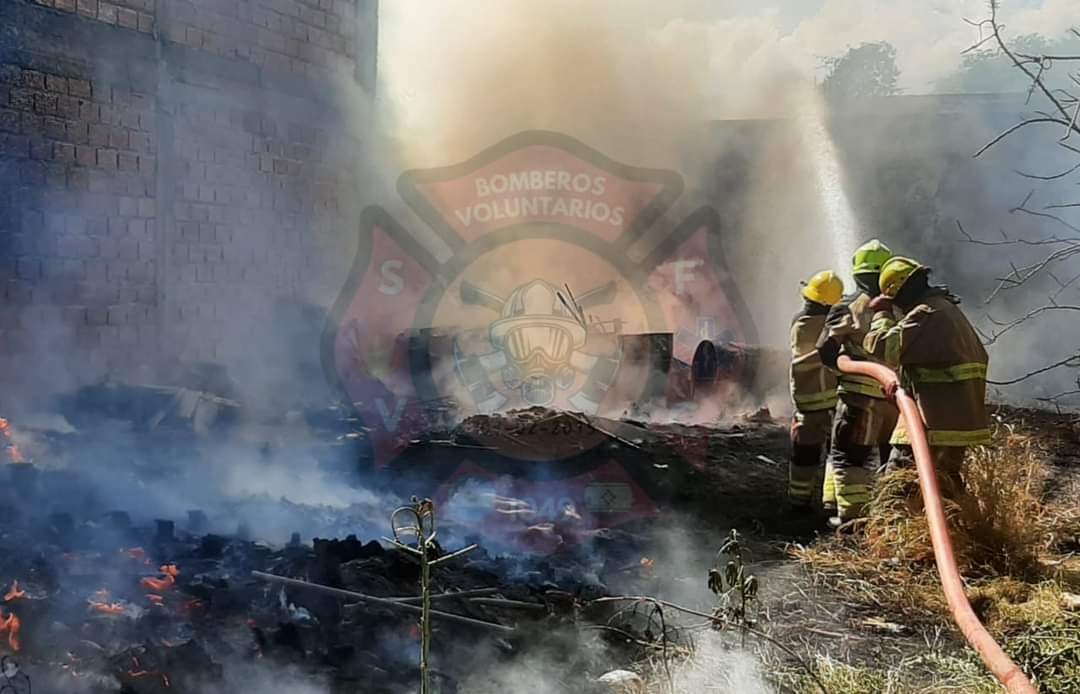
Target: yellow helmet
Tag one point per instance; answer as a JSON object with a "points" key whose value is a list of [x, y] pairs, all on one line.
{"points": [[870, 257], [894, 273], [824, 288]]}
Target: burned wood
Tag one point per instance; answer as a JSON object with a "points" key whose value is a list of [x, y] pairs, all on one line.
{"points": [[461, 594], [508, 604], [342, 593]]}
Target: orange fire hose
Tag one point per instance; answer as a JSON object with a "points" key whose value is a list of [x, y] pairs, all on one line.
{"points": [[999, 663]]}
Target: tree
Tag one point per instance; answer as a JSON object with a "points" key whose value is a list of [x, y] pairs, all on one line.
{"points": [[989, 70], [866, 70], [1056, 259]]}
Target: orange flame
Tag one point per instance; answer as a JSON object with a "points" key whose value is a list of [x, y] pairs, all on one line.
{"points": [[160, 585], [107, 607], [13, 450], [11, 626], [138, 554], [14, 593]]}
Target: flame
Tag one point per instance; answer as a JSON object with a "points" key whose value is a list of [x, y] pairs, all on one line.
{"points": [[14, 593], [138, 672], [11, 626], [160, 585], [138, 554], [156, 599], [107, 607], [13, 450]]}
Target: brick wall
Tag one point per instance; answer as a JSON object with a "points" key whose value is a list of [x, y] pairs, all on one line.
{"points": [[170, 172]]}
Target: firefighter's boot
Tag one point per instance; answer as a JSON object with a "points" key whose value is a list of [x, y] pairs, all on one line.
{"points": [[853, 485], [804, 475], [828, 488]]}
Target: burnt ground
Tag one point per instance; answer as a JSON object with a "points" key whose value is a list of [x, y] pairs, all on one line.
{"points": [[115, 599]]}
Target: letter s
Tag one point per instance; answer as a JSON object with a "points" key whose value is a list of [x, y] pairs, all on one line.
{"points": [[394, 282]]}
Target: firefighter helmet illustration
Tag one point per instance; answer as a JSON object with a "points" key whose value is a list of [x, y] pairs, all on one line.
{"points": [[538, 342], [546, 277]]}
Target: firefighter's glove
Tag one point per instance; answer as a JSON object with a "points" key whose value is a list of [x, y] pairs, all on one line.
{"points": [[829, 351], [882, 303], [891, 387]]}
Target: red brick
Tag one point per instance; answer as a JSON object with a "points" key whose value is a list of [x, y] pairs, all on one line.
{"points": [[118, 138], [102, 93], [89, 111], [76, 133], [22, 99], [106, 158], [45, 103], [68, 107], [129, 19], [55, 128], [77, 87], [56, 83], [107, 12], [9, 120], [128, 161], [99, 134], [64, 152], [86, 155], [32, 79]]}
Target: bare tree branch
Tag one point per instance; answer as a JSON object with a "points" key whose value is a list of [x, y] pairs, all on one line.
{"points": [[1071, 362], [1008, 326]]}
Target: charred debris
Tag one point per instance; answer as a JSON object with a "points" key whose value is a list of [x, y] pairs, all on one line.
{"points": [[103, 598]]}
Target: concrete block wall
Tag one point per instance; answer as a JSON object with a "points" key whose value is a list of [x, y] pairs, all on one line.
{"points": [[171, 171]]}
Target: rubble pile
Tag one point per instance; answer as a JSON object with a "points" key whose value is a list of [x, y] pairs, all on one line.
{"points": [[115, 607]]}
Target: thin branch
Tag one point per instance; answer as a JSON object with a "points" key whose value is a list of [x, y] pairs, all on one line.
{"points": [[1037, 80], [1071, 362], [1051, 177], [1018, 126], [1007, 326]]}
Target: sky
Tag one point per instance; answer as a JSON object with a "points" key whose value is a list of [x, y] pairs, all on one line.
{"points": [[424, 44]]}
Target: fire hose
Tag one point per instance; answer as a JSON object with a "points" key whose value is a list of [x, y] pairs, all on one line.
{"points": [[998, 662]]}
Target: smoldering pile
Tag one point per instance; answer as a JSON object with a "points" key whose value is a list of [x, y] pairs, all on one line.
{"points": [[105, 606]]}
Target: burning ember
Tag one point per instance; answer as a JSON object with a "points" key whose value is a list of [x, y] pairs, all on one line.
{"points": [[13, 451], [11, 626], [107, 607], [139, 555], [160, 585], [137, 672], [14, 593]]}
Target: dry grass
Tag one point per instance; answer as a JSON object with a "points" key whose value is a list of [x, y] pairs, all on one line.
{"points": [[1013, 543], [1002, 527]]}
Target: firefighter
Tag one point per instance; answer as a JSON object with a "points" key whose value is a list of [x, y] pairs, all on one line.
{"points": [[813, 387], [865, 417], [942, 365]]}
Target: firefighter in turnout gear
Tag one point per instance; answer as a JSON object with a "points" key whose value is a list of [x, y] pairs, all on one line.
{"points": [[813, 388], [942, 364], [865, 417]]}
